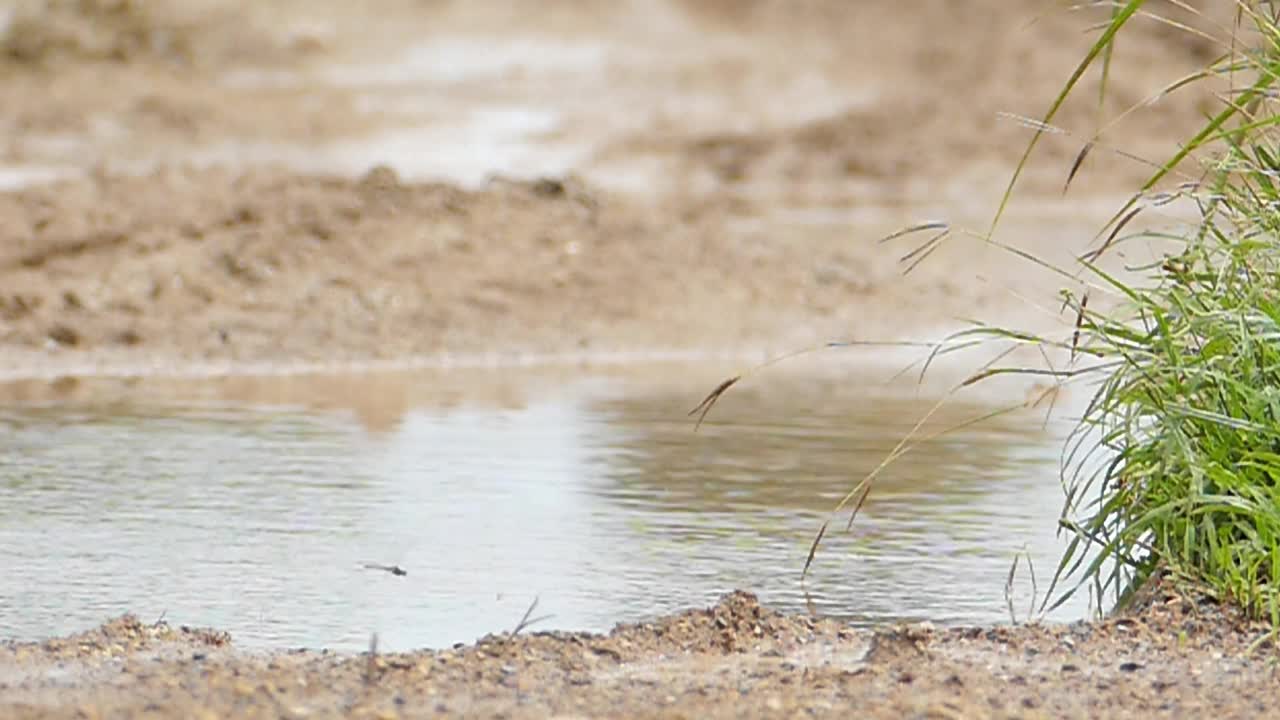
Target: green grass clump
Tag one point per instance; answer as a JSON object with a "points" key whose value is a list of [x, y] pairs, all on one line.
{"points": [[1176, 462]]}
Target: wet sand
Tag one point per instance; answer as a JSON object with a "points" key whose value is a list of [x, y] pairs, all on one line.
{"points": [[269, 268], [1177, 657]]}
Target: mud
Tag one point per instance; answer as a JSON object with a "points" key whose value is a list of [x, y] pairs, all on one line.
{"points": [[54, 33], [267, 265], [1177, 657], [938, 115], [664, 226]]}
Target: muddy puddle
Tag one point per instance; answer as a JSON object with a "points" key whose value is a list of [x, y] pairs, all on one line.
{"points": [[256, 512]]}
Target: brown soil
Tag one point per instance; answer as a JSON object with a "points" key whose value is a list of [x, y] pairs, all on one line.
{"points": [[165, 265], [818, 104], [938, 113], [1176, 658], [268, 265], [815, 93]]}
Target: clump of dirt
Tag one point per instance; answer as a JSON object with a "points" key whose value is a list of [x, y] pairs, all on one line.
{"points": [[737, 623], [127, 634]]}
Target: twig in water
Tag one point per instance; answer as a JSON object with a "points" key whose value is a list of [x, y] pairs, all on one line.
{"points": [[809, 605], [393, 569], [1008, 590], [1008, 586], [526, 621], [1035, 587], [371, 667]]}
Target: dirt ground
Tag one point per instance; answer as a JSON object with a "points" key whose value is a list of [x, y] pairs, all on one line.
{"points": [[1177, 657], [287, 182], [198, 185]]}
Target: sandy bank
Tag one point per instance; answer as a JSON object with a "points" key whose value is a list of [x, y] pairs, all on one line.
{"points": [[1175, 658]]}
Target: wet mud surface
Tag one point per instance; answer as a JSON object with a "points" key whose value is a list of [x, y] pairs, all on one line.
{"points": [[1177, 657], [303, 180], [265, 266]]}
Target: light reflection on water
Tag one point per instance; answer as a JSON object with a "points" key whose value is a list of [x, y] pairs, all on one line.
{"points": [[600, 501]]}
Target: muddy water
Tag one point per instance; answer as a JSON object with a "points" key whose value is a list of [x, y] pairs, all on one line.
{"points": [[594, 498]]}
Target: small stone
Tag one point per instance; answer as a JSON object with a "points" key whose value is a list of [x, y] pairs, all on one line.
{"points": [[128, 337], [64, 335]]}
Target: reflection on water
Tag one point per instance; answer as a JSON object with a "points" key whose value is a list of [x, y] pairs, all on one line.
{"points": [[601, 503], [933, 541]]}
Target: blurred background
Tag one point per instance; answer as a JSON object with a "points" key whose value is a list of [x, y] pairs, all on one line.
{"points": [[313, 180]]}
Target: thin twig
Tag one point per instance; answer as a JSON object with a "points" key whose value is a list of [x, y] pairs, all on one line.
{"points": [[526, 621]]}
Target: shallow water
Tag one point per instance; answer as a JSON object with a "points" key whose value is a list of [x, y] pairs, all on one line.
{"points": [[594, 497]]}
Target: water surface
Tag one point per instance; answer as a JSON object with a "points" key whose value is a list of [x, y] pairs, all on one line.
{"points": [[595, 498]]}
